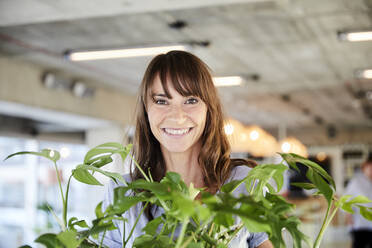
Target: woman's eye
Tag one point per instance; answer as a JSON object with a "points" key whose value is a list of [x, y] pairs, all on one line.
{"points": [[192, 101], [160, 101]]}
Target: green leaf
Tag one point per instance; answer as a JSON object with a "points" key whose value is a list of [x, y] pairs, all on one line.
{"points": [[292, 159], [198, 245], [113, 175], [342, 200], [152, 226], [292, 224], [69, 238], [91, 155], [193, 192], [278, 176], [87, 244], [347, 204], [82, 175], [149, 241], [52, 155], [122, 205], [101, 161], [260, 176], [255, 225], [174, 177], [182, 207], [81, 223], [222, 246], [321, 184], [208, 198], [172, 180], [70, 225], [359, 199], [224, 219], [124, 153], [50, 240], [122, 202], [307, 186], [143, 241], [102, 152], [365, 212], [155, 187], [279, 205], [114, 145], [98, 210], [231, 186], [101, 225]]}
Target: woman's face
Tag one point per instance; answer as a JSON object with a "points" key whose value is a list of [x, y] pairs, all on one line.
{"points": [[176, 123], [367, 170]]}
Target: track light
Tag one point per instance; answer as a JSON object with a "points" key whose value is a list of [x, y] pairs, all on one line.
{"points": [[355, 36], [364, 73], [227, 81], [81, 90], [120, 53], [51, 80]]}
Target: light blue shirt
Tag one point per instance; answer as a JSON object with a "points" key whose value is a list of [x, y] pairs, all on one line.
{"points": [[113, 239], [360, 184]]}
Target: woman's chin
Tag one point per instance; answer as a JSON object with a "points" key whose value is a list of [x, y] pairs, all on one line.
{"points": [[176, 149]]}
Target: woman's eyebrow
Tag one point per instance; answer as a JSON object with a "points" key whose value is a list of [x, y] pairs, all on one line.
{"points": [[159, 95]]}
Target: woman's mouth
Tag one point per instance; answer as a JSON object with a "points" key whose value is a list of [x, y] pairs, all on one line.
{"points": [[177, 131]]}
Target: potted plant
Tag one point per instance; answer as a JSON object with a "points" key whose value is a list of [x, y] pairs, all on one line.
{"points": [[208, 222]]}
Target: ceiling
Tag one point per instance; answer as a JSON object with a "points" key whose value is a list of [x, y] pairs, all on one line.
{"points": [[297, 73]]}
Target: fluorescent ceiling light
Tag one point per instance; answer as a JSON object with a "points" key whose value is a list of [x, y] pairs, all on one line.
{"points": [[122, 53], [355, 36], [364, 74], [227, 81]]}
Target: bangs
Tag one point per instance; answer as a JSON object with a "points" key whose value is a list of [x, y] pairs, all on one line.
{"points": [[188, 76]]}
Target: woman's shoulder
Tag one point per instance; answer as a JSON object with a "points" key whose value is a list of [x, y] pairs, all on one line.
{"points": [[239, 172], [115, 183]]}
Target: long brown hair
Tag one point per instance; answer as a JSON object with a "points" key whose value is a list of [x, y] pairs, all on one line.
{"points": [[190, 77]]}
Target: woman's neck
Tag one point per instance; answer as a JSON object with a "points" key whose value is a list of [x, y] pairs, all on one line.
{"points": [[186, 164]]}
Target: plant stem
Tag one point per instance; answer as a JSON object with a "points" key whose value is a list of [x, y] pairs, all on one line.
{"points": [[162, 229], [325, 224], [139, 168], [331, 216], [237, 229], [251, 187], [103, 236], [135, 223], [151, 179], [59, 221], [124, 243], [172, 235], [210, 230], [182, 234], [60, 188], [65, 204], [317, 244], [187, 242]]}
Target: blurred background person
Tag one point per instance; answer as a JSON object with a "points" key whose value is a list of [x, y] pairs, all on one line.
{"points": [[361, 184]]}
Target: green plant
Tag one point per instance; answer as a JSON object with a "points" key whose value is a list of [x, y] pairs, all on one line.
{"points": [[209, 222]]}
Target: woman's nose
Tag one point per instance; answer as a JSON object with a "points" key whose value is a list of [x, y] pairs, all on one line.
{"points": [[177, 114]]}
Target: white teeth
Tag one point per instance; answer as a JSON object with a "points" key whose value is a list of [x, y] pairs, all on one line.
{"points": [[177, 131]]}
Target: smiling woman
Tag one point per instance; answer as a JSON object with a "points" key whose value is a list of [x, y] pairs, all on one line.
{"points": [[177, 121], [180, 85], [179, 128]]}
